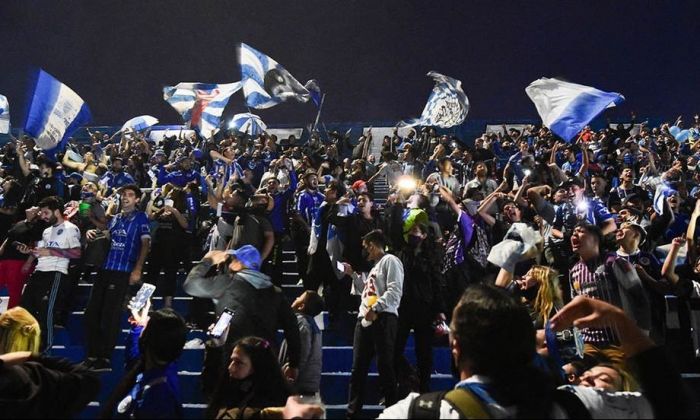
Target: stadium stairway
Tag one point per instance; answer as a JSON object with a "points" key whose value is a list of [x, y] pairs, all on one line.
{"points": [[337, 354]]}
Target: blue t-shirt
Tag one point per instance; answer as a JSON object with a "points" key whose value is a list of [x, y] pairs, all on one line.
{"points": [[126, 231]]}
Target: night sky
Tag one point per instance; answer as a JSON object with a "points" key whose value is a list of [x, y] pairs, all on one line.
{"points": [[370, 57]]}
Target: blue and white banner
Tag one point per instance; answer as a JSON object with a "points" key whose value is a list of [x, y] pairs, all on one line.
{"points": [[566, 108], [447, 105], [54, 114], [140, 123], [200, 104], [265, 82], [4, 115]]}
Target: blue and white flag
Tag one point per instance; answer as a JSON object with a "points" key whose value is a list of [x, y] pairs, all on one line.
{"points": [[566, 108], [314, 90], [265, 82], [447, 105], [54, 114], [663, 191], [140, 123], [200, 104], [247, 123], [4, 115]]}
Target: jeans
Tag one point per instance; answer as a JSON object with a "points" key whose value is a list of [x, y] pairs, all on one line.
{"points": [[379, 338]]}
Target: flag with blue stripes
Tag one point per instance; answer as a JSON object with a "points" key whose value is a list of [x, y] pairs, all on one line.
{"points": [[200, 104], [265, 82], [663, 191], [566, 108], [55, 112], [447, 105], [4, 115]]}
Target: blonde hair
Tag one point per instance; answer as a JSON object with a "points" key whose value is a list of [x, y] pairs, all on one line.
{"points": [[549, 293], [19, 331]]}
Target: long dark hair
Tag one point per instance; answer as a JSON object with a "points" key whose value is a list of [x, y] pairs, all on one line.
{"points": [[163, 338], [497, 340], [265, 387]]}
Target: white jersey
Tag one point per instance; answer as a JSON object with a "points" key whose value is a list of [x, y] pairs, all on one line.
{"points": [[63, 236]]}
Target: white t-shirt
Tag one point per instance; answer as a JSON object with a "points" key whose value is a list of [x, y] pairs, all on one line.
{"points": [[63, 236]]}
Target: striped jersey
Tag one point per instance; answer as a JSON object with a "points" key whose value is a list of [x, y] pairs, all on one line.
{"points": [[597, 282], [126, 231]]}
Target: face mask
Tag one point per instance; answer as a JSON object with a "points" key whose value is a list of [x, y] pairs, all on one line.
{"points": [[414, 241], [87, 195], [365, 254]]}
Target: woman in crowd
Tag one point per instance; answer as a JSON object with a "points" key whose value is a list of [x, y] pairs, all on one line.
{"points": [[253, 382]]}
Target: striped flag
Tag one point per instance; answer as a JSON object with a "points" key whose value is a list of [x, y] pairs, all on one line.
{"points": [[200, 104], [447, 105], [265, 82], [566, 108], [55, 112], [4, 115]]}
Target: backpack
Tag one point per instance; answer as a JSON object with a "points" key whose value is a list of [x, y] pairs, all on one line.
{"points": [[427, 406]]}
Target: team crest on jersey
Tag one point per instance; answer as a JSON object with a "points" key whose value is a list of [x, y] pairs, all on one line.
{"points": [[644, 261], [60, 231]]}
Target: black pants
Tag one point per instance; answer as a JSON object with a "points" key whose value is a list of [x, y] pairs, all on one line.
{"points": [[39, 298], [65, 302], [104, 312], [167, 258], [377, 339], [415, 317]]}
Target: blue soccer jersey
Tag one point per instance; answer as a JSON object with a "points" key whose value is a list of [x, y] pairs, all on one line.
{"points": [[126, 231]]}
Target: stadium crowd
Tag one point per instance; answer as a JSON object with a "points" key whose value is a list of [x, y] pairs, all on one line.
{"points": [[565, 271]]}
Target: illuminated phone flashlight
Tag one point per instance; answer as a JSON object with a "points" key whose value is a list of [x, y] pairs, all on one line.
{"points": [[406, 183], [527, 172], [582, 206]]}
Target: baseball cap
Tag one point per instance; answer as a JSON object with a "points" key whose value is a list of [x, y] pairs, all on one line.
{"points": [[248, 255], [639, 228]]}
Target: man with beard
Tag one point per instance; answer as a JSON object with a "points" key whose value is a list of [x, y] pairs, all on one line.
{"points": [[182, 176], [279, 216], [59, 244], [116, 177], [307, 207]]}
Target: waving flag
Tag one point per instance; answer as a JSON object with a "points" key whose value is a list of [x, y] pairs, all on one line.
{"points": [[247, 123], [4, 115], [54, 114], [447, 105], [140, 123], [200, 104], [265, 82], [566, 108]]}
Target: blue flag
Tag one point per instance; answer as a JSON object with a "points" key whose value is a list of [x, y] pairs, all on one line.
{"points": [[566, 108], [265, 82], [55, 112]]}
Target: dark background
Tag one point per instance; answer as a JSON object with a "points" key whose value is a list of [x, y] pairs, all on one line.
{"points": [[370, 57]]}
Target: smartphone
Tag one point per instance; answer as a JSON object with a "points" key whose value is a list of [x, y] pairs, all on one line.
{"points": [[168, 202], [219, 209], [340, 266], [221, 323], [17, 244], [142, 296]]}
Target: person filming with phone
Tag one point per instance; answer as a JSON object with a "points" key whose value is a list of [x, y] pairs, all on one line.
{"points": [[259, 308]]}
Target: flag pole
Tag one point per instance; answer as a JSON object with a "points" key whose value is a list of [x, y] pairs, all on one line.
{"points": [[318, 114]]}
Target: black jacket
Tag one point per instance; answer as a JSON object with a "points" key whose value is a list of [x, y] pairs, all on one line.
{"points": [[257, 312], [45, 387]]}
